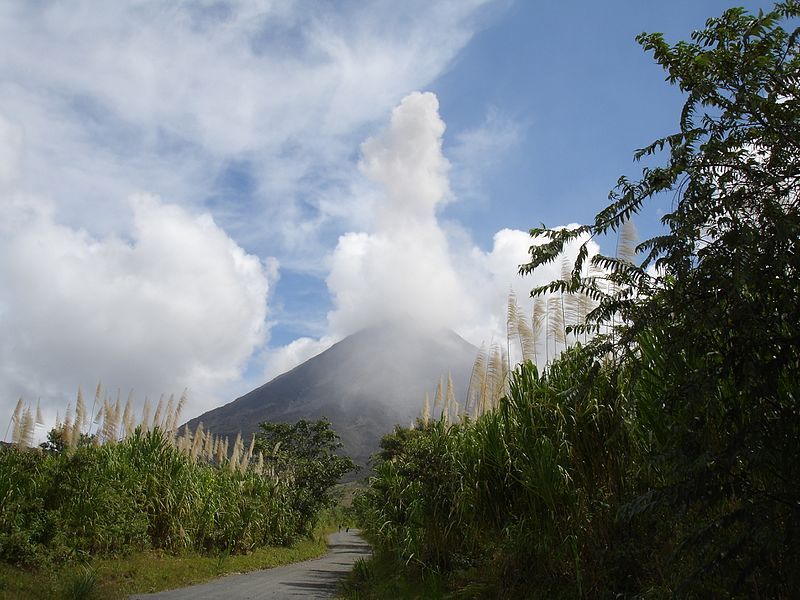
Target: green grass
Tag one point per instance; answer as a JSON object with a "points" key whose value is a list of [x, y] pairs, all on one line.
{"points": [[144, 572], [382, 576]]}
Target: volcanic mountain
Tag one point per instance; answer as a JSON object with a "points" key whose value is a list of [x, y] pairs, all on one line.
{"points": [[364, 385]]}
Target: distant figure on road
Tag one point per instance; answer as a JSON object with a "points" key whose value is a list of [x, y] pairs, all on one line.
{"points": [[340, 528], [347, 530]]}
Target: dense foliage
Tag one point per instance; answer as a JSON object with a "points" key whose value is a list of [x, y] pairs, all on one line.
{"points": [[149, 491], [663, 457], [140, 493], [306, 451]]}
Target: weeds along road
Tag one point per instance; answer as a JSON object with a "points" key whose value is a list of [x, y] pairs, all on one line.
{"points": [[316, 578]]}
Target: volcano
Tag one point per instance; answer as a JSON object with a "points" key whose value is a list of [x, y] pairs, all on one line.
{"points": [[364, 385]]}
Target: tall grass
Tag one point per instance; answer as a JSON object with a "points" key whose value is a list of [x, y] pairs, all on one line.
{"points": [[102, 486], [523, 493]]}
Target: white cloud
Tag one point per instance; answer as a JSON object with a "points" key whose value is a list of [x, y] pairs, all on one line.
{"points": [[162, 98], [403, 269], [410, 265], [178, 305], [283, 359]]}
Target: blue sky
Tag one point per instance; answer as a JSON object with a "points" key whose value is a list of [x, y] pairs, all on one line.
{"points": [[204, 194]]}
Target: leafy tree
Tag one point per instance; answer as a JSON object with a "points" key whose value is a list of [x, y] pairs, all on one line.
{"points": [[712, 328], [307, 451], [394, 445]]}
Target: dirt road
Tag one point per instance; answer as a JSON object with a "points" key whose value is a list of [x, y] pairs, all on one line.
{"points": [[310, 579]]}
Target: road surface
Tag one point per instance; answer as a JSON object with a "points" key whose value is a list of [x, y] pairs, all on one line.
{"points": [[316, 578]]}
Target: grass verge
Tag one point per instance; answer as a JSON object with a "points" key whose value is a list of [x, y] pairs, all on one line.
{"points": [[382, 576], [143, 572]]}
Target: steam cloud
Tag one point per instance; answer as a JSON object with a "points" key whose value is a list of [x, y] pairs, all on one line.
{"points": [[407, 267]]}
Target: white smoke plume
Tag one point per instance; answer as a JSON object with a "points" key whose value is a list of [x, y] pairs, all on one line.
{"points": [[408, 267]]}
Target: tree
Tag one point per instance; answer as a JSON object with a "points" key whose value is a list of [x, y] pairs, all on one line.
{"points": [[712, 328], [306, 451]]}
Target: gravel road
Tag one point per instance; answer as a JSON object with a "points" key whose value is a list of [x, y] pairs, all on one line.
{"points": [[310, 579]]}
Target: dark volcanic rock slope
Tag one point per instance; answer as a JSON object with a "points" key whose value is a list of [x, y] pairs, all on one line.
{"points": [[364, 385]]}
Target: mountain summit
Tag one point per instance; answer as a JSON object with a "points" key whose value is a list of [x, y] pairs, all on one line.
{"points": [[365, 385]]}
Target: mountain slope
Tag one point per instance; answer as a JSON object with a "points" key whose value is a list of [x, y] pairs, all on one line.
{"points": [[365, 385]]}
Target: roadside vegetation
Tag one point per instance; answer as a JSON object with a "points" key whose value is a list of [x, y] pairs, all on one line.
{"points": [[105, 500], [657, 452]]}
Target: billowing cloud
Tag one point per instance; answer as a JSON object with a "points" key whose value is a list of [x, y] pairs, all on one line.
{"points": [[403, 268], [411, 265], [178, 304]]}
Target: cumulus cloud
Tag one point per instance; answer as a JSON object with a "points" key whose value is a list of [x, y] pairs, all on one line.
{"points": [[178, 304]]}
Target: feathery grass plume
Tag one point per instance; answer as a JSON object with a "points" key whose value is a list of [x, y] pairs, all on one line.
{"points": [[67, 428], [236, 455], [426, 409], [208, 446], [438, 399], [450, 398], [260, 464], [184, 441], [555, 321], [116, 416], [181, 405], [512, 322], [220, 452], [176, 417], [103, 414], [539, 322], [111, 421], [127, 417], [247, 456], [197, 442], [159, 413], [572, 312], [527, 339], [486, 383], [14, 421], [497, 376], [16, 432], [146, 408], [80, 419], [476, 382], [26, 430], [166, 419]]}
